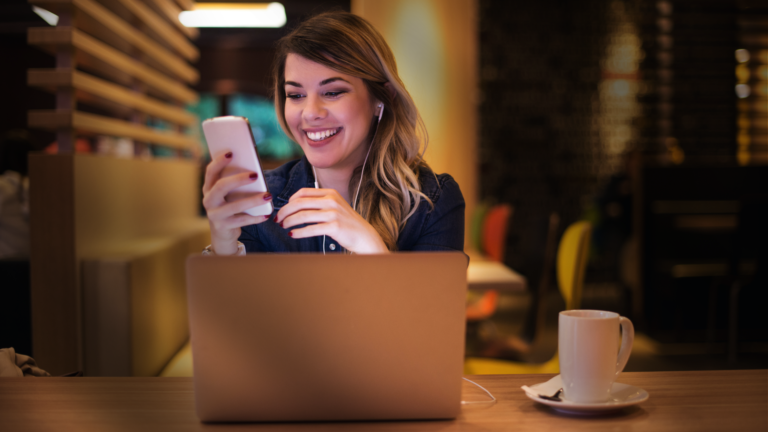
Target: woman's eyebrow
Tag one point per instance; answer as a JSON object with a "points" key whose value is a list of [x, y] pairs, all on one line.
{"points": [[322, 83], [330, 80]]}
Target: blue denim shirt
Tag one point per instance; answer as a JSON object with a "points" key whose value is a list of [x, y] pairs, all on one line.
{"points": [[438, 229]]}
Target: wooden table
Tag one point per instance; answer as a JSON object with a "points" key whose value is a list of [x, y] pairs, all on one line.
{"points": [[483, 275], [679, 401]]}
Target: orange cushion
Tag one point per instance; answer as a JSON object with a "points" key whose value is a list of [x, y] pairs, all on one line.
{"points": [[495, 231]]}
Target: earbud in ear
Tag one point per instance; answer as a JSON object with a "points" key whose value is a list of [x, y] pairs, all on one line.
{"points": [[381, 111]]}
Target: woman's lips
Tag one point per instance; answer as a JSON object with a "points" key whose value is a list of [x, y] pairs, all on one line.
{"points": [[320, 136]]}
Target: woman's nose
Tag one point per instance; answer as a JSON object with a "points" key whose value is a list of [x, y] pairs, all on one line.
{"points": [[314, 109]]}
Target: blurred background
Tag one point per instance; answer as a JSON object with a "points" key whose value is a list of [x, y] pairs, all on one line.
{"points": [[648, 119]]}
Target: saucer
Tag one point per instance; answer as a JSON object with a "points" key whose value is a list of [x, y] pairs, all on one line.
{"points": [[622, 395]]}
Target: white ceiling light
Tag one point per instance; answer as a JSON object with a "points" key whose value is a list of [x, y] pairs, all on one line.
{"points": [[264, 15], [49, 17]]}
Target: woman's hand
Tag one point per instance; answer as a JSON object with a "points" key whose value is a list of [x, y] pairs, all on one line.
{"points": [[226, 218], [329, 215]]}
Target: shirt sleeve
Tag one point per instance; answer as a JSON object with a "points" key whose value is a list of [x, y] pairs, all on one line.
{"points": [[443, 228], [249, 236]]}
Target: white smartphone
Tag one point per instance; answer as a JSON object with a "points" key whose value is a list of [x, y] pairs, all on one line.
{"points": [[233, 134]]}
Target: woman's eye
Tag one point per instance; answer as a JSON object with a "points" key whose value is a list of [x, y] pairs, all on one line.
{"points": [[293, 96], [334, 93]]}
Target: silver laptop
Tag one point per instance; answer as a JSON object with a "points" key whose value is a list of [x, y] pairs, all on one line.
{"points": [[307, 337]]}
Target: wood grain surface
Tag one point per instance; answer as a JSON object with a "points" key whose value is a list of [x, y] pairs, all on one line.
{"points": [[96, 56], [107, 95], [88, 124], [56, 324], [679, 401], [98, 21]]}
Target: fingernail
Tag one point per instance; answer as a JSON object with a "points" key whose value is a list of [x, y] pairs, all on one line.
{"points": [[275, 218], [253, 176], [281, 224], [228, 155], [266, 217], [290, 233], [267, 196]]}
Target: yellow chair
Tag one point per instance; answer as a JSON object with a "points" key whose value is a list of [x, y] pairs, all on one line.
{"points": [[571, 265]]}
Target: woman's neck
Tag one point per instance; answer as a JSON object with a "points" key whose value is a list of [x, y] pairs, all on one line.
{"points": [[339, 176], [335, 179]]}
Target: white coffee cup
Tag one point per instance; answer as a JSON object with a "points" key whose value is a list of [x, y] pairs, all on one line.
{"points": [[588, 341]]}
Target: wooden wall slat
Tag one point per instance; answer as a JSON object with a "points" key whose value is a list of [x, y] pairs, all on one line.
{"points": [[170, 10], [100, 22], [155, 25], [110, 61], [104, 90], [96, 124], [186, 4]]}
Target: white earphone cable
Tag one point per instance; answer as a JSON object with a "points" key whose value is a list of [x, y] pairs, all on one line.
{"points": [[493, 398], [362, 171], [317, 186]]}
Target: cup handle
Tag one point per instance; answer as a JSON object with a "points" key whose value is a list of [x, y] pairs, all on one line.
{"points": [[627, 337]]}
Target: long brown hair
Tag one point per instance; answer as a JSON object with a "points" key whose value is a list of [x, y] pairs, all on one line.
{"points": [[344, 42]]}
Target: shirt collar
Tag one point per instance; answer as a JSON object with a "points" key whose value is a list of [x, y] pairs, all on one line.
{"points": [[300, 176]]}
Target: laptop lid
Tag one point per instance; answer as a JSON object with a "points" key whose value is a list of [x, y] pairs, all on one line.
{"points": [[307, 337]]}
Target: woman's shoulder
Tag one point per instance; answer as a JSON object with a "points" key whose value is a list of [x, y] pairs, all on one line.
{"points": [[436, 185], [437, 225]]}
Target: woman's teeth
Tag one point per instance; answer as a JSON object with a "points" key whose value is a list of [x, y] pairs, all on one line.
{"points": [[319, 136]]}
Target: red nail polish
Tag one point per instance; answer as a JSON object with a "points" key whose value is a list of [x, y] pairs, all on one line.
{"points": [[266, 217], [253, 176], [267, 196], [275, 218], [290, 233], [281, 225], [228, 155]]}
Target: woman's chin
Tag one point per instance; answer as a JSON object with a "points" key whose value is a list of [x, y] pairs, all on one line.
{"points": [[318, 161], [323, 158]]}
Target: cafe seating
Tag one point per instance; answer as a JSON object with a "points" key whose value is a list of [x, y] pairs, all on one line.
{"points": [[109, 235], [572, 257], [489, 237], [747, 242], [700, 258]]}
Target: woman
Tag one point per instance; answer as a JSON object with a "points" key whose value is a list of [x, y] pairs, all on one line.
{"points": [[362, 186]]}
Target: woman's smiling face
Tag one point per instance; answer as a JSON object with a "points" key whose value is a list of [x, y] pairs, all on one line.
{"points": [[329, 113]]}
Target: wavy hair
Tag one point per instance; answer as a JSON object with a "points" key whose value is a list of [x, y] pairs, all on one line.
{"points": [[390, 191]]}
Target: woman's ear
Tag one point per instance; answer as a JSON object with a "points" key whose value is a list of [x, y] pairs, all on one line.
{"points": [[390, 89], [379, 104], [378, 110]]}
